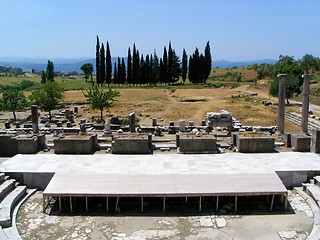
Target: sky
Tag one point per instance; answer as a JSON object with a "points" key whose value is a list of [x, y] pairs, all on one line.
{"points": [[238, 30]]}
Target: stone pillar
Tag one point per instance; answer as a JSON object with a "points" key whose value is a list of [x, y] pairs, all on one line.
{"points": [[171, 123], [281, 101], [154, 122], [305, 102], [182, 125], [7, 125], [83, 129], [34, 118], [107, 126], [191, 123], [203, 123], [132, 122]]}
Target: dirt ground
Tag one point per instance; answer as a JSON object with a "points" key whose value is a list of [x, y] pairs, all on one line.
{"points": [[33, 224], [190, 104]]}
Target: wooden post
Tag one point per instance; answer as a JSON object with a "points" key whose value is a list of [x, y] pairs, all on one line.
{"points": [[87, 204], [286, 202], [116, 204], [107, 203], [217, 204], [164, 204], [200, 204], [142, 204], [44, 204], [236, 203], [60, 207], [272, 200], [71, 204]]}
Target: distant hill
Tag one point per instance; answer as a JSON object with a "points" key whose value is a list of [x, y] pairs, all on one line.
{"points": [[68, 65]]}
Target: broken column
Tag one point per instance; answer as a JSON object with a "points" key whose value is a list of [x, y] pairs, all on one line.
{"points": [[154, 122], [83, 127], [182, 125], [305, 102], [34, 118], [132, 122], [107, 130], [281, 101]]}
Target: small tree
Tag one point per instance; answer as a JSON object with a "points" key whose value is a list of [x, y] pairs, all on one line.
{"points": [[100, 99], [43, 77], [47, 96], [50, 71], [12, 100], [87, 69]]}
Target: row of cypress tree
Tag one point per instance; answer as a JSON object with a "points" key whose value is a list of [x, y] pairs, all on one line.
{"points": [[150, 69]]}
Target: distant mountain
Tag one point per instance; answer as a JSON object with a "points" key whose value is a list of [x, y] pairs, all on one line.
{"points": [[230, 64], [68, 65]]}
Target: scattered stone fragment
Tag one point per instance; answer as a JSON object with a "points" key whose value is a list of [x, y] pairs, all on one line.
{"points": [[221, 222], [287, 234]]}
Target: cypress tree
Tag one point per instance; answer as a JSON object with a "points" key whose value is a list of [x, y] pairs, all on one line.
{"points": [[119, 71], [176, 69], [123, 68], [102, 65], [147, 69], [115, 74], [135, 65], [98, 61], [161, 72], [165, 66], [208, 60], [155, 68], [129, 67], [142, 77], [108, 65], [170, 64], [184, 66]]}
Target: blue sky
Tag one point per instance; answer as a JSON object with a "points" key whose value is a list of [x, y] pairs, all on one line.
{"points": [[236, 29]]}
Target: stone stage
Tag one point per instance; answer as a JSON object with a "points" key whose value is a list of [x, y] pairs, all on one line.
{"points": [[163, 175]]}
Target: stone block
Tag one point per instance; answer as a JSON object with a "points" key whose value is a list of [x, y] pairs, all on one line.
{"points": [[79, 144], [315, 141], [287, 139], [246, 144], [132, 144], [300, 142], [190, 143]]}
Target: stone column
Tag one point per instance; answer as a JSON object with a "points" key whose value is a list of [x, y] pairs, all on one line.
{"points": [[182, 125], [305, 102], [107, 126], [154, 122], [281, 101], [34, 118], [132, 122]]}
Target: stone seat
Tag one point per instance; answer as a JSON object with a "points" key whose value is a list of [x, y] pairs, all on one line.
{"points": [[3, 235], [314, 192], [7, 205], [2, 177], [6, 187]]}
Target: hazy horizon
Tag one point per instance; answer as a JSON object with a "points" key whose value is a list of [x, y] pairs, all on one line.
{"points": [[237, 30]]}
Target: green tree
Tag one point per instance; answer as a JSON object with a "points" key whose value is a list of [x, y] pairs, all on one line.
{"points": [[87, 69], [108, 65], [129, 67], [50, 71], [292, 87], [309, 63], [47, 96], [98, 61], [43, 77], [102, 65], [100, 99], [12, 100], [184, 68], [208, 61]]}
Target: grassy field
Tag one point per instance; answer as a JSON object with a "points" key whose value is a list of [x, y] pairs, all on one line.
{"points": [[189, 102]]}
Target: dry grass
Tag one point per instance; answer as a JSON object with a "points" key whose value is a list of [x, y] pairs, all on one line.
{"points": [[169, 105]]}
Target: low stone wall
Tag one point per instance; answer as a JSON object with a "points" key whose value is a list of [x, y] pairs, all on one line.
{"points": [[261, 144], [190, 143], [300, 142], [80, 144], [132, 144], [24, 144]]}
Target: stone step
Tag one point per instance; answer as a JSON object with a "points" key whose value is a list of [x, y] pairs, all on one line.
{"points": [[8, 203], [6, 187], [12, 233], [314, 192]]}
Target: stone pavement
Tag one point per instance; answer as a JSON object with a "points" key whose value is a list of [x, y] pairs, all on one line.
{"points": [[33, 224]]}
